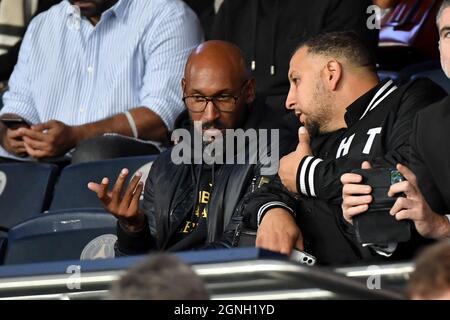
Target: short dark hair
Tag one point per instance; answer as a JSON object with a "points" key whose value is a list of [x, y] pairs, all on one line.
{"points": [[431, 276], [341, 44], [161, 277], [445, 4]]}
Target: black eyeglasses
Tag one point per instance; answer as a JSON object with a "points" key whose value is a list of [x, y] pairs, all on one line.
{"points": [[223, 102]]}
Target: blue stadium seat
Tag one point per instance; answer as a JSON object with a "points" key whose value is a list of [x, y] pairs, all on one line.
{"points": [[25, 191], [430, 69], [63, 236], [71, 191], [385, 74], [3, 242], [437, 75]]}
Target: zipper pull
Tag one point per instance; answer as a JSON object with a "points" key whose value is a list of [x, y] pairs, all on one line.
{"points": [[253, 184]]}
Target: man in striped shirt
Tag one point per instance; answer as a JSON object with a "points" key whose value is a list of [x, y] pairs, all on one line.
{"points": [[87, 68]]}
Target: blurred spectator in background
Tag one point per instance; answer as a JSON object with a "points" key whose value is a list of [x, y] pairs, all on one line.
{"points": [[80, 74], [431, 277], [268, 31], [15, 15], [160, 277]]}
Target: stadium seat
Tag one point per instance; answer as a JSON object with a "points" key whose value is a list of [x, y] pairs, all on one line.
{"points": [[437, 75], [63, 236], [2, 249], [25, 191], [71, 191], [113, 146], [384, 75]]}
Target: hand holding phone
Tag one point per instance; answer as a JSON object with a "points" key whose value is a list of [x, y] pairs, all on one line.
{"points": [[377, 225], [12, 139], [302, 257], [15, 123]]}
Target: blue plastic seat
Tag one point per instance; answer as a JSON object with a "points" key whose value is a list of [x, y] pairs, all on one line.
{"points": [[86, 235], [25, 191], [436, 75], [71, 191]]}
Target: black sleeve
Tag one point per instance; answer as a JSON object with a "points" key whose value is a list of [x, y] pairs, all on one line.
{"points": [[264, 190], [326, 174], [267, 193], [133, 243], [426, 159], [141, 242]]}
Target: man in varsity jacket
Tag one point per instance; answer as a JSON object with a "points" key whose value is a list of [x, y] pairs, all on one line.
{"points": [[348, 117], [426, 200]]}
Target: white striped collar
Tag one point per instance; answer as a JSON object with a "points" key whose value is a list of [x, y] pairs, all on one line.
{"points": [[379, 96]]}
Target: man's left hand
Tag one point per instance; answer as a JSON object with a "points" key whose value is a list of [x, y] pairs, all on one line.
{"points": [[428, 223], [290, 163], [50, 139]]}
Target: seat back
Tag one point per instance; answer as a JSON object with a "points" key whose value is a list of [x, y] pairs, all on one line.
{"points": [[3, 242], [408, 34], [71, 191], [25, 191], [436, 75], [63, 236]]}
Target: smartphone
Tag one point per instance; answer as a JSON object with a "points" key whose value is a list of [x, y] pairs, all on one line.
{"points": [[15, 123], [376, 225], [302, 257]]}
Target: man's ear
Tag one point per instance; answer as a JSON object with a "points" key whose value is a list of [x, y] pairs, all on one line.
{"points": [[183, 85], [333, 74], [250, 92]]}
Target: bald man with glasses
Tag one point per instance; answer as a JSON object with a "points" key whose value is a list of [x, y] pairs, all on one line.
{"points": [[197, 204]]}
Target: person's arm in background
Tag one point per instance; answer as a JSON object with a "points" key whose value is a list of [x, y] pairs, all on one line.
{"points": [[167, 45], [18, 101]]}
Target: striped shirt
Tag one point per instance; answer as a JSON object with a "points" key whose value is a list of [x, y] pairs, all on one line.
{"points": [[71, 71]]}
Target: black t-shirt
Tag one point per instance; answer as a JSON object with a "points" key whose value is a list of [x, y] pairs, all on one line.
{"points": [[193, 230]]}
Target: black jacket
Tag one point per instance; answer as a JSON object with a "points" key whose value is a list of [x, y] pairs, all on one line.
{"points": [[380, 135], [170, 193], [430, 155], [268, 31]]}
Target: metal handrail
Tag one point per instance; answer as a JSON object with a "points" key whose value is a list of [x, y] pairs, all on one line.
{"points": [[227, 280]]}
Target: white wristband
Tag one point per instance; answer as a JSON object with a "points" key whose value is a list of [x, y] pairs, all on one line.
{"points": [[132, 124]]}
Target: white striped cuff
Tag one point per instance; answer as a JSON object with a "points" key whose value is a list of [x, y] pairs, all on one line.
{"points": [[262, 211], [305, 176]]}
